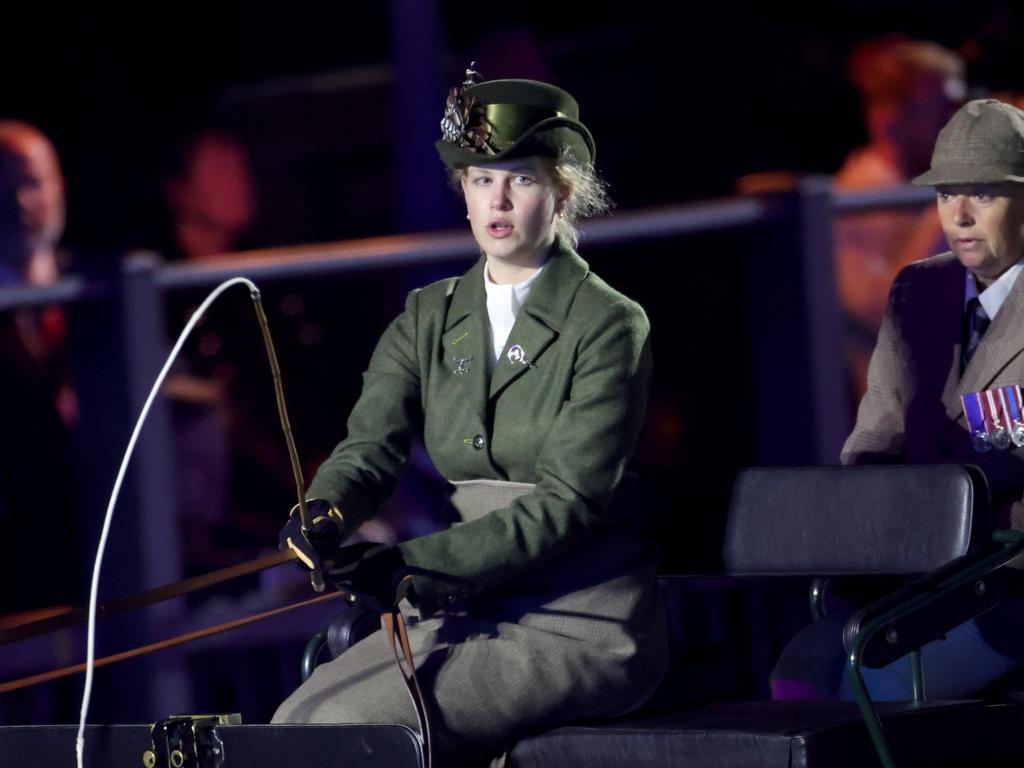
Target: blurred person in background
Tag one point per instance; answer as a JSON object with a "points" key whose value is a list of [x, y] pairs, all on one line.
{"points": [[37, 404], [231, 465], [211, 197], [209, 203], [32, 207], [909, 89]]}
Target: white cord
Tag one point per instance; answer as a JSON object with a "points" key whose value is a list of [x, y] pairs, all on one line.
{"points": [[91, 633]]}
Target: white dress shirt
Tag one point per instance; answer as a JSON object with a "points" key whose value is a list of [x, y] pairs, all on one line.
{"points": [[503, 304], [992, 298]]}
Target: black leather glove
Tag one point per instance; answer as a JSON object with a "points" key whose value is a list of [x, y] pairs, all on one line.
{"points": [[315, 546], [370, 571]]}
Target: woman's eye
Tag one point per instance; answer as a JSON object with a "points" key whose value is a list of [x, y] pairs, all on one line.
{"points": [[520, 179], [982, 197], [480, 181]]}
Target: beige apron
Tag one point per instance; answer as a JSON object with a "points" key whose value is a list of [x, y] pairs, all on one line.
{"points": [[583, 638]]}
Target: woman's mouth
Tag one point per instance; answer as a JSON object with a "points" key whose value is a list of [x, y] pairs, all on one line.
{"points": [[499, 228]]}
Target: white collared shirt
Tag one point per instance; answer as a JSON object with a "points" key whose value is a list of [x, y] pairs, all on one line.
{"points": [[992, 298], [503, 304]]}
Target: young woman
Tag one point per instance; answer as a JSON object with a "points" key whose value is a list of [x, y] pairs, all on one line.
{"points": [[527, 379]]}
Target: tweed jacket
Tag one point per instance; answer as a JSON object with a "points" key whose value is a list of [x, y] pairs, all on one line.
{"points": [[911, 411], [564, 415]]}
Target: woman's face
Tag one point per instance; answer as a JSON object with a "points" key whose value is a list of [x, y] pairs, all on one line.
{"points": [[512, 207]]}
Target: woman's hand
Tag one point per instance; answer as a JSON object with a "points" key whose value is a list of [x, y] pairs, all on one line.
{"points": [[317, 544], [370, 571]]}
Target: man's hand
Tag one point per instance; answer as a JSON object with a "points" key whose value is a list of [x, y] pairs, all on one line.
{"points": [[370, 571], [315, 546]]}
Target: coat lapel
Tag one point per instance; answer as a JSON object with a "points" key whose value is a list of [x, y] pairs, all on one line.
{"points": [[952, 296], [529, 338], [541, 318], [1002, 342], [464, 341]]}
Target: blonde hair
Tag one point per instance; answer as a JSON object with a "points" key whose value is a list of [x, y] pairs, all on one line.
{"points": [[588, 196], [587, 193]]}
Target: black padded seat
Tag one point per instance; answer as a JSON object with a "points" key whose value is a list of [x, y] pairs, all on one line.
{"points": [[796, 734], [854, 521]]}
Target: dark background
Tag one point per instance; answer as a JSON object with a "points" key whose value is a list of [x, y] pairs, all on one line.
{"points": [[682, 99]]}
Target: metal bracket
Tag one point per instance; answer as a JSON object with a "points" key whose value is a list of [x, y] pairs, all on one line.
{"points": [[188, 741]]}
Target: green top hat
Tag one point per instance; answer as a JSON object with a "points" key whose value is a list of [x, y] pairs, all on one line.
{"points": [[983, 143], [505, 119]]}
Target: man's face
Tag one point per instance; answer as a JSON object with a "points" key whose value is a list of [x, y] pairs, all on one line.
{"points": [[31, 193], [984, 225]]}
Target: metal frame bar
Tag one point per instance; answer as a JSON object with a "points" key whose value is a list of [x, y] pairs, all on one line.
{"points": [[917, 691], [824, 321], [311, 652], [817, 598], [1012, 544]]}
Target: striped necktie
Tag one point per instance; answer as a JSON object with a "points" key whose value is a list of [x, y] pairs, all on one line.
{"points": [[976, 322]]}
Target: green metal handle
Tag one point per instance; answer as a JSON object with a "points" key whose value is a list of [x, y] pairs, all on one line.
{"points": [[1011, 543], [312, 652]]}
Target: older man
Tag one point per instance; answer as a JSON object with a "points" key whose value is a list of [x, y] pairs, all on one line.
{"points": [[31, 205], [954, 326], [37, 403]]}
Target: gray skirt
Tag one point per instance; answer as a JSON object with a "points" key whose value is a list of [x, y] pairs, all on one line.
{"points": [[585, 639]]}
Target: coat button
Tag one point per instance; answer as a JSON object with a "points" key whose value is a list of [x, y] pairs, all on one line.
{"points": [[478, 442]]}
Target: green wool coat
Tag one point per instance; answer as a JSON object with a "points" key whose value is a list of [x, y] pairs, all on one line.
{"points": [[561, 619], [566, 418]]}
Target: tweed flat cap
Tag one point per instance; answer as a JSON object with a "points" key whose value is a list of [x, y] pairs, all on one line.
{"points": [[983, 143]]}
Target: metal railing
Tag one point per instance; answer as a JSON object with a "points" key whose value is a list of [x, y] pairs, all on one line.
{"points": [[401, 250]]}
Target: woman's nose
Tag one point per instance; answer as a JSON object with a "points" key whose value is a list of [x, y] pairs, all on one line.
{"points": [[961, 212], [500, 200]]}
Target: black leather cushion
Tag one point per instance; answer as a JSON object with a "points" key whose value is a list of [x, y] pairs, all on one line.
{"points": [[786, 735], [834, 521], [349, 627]]}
